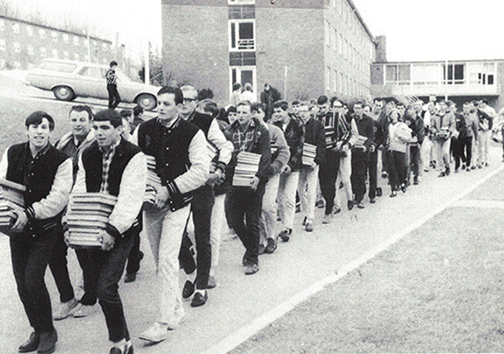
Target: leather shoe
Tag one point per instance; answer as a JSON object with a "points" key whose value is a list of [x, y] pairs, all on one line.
{"points": [[199, 299], [372, 200], [350, 204], [262, 248], [129, 278], [128, 349], [212, 283], [188, 289], [47, 343], [252, 268], [379, 192], [31, 345], [271, 246]]}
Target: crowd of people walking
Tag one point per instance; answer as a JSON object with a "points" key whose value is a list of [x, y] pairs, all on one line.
{"points": [[317, 153]]}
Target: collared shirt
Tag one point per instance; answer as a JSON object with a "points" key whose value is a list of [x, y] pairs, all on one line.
{"points": [[107, 159], [243, 140], [111, 77]]}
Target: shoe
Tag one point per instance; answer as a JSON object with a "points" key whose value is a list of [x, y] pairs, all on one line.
{"points": [[308, 227], [327, 219], [415, 181], [64, 309], [262, 248], [127, 349], [379, 192], [384, 174], [85, 310], [463, 166], [393, 194], [245, 260], [456, 170], [360, 205], [304, 221], [447, 171], [372, 200], [271, 246], [336, 210], [319, 204], [212, 283], [285, 234], [480, 166], [442, 174], [156, 333], [252, 268], [47, 343], [130, 278], [350, 204], [486, 164], [31, 344], [403, 188], [188, 290], [426, 170], [199, 298]]}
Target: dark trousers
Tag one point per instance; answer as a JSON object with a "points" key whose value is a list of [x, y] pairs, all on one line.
{"points": [[107, 268], [90, 280], [135, 255], [415, 159], [384, 156], [201, 208], [373, 173], [59, 268], [244, 209], [360, 162], [328, 173], [30, 257], [113, 96], [462, 150], [397, 169]]}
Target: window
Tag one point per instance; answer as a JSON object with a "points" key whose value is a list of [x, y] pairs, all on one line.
{"points": [[42, 33], [92, 71], [54, 66], [66, 38], [327, 28], [453, 74], [15, 27], [17, 47], [334, 40], [243, 75], [328, 78], [29, 30], [398, 74], [54, 36], [43, 52], [30, 50], [340, 45], [242, 35], [426, 74], [335, 81], [76, 40], [340, 83], [2, 44]]}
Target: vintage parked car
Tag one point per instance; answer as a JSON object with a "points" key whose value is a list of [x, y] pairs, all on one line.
{"points": [[70, 79]]}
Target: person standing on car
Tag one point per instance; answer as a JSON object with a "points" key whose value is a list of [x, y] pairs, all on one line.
{"points": [[113, 94]]}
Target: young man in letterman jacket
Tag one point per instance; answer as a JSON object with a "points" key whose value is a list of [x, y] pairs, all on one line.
{"points": [[47, 175], [183, 164], [203, 198], [114, 166]]}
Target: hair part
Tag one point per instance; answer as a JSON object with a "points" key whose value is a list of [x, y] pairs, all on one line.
{"points": [[82, 108], [109, 115], [284, 105], [36, 118], [179, 96]]}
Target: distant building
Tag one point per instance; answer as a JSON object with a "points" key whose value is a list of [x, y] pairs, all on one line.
{"points": [[23, 44], [302, 48], [459, 80]]}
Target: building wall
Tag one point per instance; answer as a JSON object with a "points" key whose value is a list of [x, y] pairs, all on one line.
{"points": [[195, 45], [23, 45]]}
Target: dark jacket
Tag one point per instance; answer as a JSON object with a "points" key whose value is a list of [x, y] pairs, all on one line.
{"points": [[294, 134], [315, 135], [365, 126]]}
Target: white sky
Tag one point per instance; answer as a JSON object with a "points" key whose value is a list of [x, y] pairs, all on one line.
{"points": [[415, 29]]}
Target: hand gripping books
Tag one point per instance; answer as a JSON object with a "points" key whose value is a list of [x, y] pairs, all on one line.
{"points": [[246, 168], [309, 154], [88, 214], [11, 203]]}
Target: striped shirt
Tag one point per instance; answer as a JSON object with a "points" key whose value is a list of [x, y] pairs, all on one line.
{"points": [[107, 159], [111, 77]]}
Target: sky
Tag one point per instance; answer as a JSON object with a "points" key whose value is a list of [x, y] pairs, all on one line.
{"points": [[415, 29]]}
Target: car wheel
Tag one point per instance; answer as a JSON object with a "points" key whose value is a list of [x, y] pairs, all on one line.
{"points": [[64, 93], [146, 101]]}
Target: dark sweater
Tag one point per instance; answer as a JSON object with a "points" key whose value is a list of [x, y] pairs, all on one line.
{"points": [[315, 135]]}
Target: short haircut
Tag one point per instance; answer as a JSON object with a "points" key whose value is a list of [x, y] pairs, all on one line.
{"points": [[179, 96], [236, 86], [82, 108], [257, 106], [137, 110], [126, 113], [188, 89], [109, 115], [245, 103], [36, 117], [284, 105], [359, 103], [332, 100], [113, 63], [209, 106], [445, 102], [322, 99], [295, 103], [205, 93], [377, 99], [400, 104], [231, 109], [248, 87]]}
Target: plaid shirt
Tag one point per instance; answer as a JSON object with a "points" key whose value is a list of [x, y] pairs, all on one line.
{"points": [[107, 159], [244, 140]]}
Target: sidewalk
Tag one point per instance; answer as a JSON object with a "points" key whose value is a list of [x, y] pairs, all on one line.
{"points": [[439, 289]]}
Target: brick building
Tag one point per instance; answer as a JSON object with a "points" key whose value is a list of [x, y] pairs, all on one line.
{"points": [[23, 44], [303, 48]]}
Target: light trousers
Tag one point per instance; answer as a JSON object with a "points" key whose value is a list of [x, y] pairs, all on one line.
{"points": [[287, 198], [483, 146], [165, 229], [442, 148], [344, 173], [268, 221], [216, 230], [307, 190]]}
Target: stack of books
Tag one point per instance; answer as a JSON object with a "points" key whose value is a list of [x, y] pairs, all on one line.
{"points": [[246, 168], [11, 199], [309, 153], [153, 180], [88, 214], [329, 137], [361, 140]]}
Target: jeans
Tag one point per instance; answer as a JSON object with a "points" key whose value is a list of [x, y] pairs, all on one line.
{"points": [[360, 162], [287, 198], [373, 173], [244, 214], [59, 269], [307, 190], [30, 257], [328, 173], [114, 98], [397, 169], [165, 229], [415, 159]]}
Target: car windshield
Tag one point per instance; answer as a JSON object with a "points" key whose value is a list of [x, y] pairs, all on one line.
{"points": [[55, 66]]}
